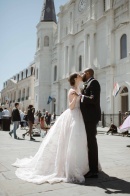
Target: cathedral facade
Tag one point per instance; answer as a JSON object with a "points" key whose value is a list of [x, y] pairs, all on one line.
{"points": [[89, 33]]}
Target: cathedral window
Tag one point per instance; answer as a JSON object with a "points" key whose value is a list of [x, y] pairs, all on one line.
{"points": [[55, 73], [123, 46], [80, 63], [46, 41]]}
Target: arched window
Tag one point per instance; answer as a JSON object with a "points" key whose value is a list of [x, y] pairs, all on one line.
{"points": [[123, 46], [55, 73], [80, 63], [46, 41]]}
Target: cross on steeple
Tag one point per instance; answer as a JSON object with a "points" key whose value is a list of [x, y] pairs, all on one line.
{"points": [[48, 12]]}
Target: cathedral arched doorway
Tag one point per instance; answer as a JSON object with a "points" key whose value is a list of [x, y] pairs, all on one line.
{"points": [[124, 100]]}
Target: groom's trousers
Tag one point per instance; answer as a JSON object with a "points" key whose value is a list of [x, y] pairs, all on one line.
{"points": [[91, 130]]}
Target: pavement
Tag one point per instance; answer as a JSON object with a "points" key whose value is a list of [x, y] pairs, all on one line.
{"points": [[113, 180]]}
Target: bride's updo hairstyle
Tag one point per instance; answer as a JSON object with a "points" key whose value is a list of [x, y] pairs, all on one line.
{"points": [[72, 78]]}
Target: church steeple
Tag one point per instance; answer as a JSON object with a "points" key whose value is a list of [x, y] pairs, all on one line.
{"points": [[48, 12]]}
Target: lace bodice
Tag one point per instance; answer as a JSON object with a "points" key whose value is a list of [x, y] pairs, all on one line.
{"points": [[77, 105]]}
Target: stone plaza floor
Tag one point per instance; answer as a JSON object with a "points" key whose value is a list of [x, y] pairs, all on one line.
{"points": [[113, 180]]}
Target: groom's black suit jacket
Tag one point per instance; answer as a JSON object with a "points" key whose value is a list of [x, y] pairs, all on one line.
{"points": [[90, 108]]}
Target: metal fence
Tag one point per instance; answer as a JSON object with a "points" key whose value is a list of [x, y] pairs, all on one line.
{"points": [[108, 119]]}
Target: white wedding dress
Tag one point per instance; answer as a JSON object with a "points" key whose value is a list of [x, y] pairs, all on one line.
{"points": [[63, 154]]}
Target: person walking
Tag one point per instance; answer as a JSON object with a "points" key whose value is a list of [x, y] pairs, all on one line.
{"points": [[16, 120], [30, 115]]}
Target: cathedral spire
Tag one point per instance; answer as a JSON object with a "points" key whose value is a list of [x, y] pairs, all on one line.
{"points": [[48, 12]]}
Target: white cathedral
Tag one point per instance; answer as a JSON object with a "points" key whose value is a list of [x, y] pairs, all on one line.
{"points": [[89, 33]]}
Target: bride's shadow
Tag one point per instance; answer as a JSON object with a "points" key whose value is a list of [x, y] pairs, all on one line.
{"points": [[109, 184]]}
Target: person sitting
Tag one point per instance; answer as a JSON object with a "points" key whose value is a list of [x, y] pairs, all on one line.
{"points": [[112, 129]]}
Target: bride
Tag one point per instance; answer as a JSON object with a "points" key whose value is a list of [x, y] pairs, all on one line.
{"points": [[63, 154]]}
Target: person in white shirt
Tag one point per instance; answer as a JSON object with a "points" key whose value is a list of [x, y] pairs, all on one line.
{"points": [[5, 112]]}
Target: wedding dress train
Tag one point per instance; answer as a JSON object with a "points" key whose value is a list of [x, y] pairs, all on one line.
{"points": [[63, 154]]}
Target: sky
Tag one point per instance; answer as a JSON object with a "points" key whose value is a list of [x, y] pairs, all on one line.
{"points": [[18, 20]]}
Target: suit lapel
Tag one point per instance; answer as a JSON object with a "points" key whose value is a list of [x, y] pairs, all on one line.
{"points": [[87, 84]]}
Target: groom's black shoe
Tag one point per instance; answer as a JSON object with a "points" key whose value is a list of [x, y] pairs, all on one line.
{"points": [[91, 175]]}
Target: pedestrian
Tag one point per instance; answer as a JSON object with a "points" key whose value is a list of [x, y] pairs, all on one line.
{"points": [[30, 114], [5, 112], [16, 120], [47, 117]]}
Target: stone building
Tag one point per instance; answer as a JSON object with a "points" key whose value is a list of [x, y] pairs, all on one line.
{"points": [[93, 34], [19, 88]]}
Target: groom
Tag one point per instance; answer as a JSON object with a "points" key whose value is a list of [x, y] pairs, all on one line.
{"points": [[90, 108]]}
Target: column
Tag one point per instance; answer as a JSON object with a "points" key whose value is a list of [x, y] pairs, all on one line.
{"points": [[85, 52], [64, 69], [90, 4], [88, 50], [91, 49], [70, 59]]}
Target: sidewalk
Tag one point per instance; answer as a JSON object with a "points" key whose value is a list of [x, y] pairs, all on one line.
{"points": [[114, 158]]}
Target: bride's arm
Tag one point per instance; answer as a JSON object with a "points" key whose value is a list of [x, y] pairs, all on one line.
{"points": [[72, 99]]}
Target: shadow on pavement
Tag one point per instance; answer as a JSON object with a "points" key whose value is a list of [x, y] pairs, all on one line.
{"points": [[110, 184]]}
